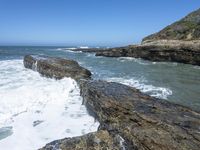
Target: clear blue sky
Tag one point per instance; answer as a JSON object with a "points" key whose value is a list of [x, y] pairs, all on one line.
{"points": [[86, 22]]}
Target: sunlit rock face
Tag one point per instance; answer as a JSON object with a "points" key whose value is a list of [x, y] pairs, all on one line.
{"points": [[56, 67]]}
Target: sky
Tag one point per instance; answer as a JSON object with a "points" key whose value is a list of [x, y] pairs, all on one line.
{"points": [[87, 22]]}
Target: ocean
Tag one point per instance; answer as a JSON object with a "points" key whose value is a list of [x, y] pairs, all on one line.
{"points": [[35, 110]]}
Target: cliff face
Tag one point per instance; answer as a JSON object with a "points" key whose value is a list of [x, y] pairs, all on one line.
{"points": [[187, 28]]}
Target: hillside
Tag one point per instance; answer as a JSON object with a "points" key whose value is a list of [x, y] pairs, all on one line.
{"points": [[187, 28]]}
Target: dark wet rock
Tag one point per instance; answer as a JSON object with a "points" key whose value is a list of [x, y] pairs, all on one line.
{"points": [[131, 120], [92, 141], [142, 121], [177, 52], [54, 67], [37, 122]]}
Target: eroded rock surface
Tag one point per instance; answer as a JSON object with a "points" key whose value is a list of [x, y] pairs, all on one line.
{"points": [[56, 67], [176, 51], [142, 121], [92, 141], [131, 120]]}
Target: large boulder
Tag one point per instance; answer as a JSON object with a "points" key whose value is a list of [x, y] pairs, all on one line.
{"points": [[131, 120], [142, 121], [54, 67]]}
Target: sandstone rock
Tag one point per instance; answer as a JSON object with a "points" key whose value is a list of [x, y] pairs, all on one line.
{"points": [[92, 141], [56, 67], [131, 120], [142, 121], [179, 52]]}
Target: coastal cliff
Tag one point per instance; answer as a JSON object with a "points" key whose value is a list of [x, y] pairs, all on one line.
{"points": [[179, 42]]}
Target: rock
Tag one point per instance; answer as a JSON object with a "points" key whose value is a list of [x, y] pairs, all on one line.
{"points": [[92, 141], [144, 122], [54, 67], [182, 52]]}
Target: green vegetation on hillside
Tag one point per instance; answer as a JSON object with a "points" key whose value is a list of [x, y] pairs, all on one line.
{"points": [[187, 28]]}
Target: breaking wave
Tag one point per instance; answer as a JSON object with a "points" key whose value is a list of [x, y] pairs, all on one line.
{"points": [[158, 92], [35, 110]]}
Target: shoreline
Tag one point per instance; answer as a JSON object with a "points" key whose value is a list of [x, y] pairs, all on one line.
{"points": [[123, 113]]}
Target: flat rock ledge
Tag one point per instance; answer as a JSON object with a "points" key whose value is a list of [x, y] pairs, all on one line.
{"points": [[54, 67], [187, 52], [131, 120]]}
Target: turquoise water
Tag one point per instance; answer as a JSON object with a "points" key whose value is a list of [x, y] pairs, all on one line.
{"points": [[179, 83]]}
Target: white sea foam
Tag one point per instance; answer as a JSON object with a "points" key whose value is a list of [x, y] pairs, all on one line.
{"points": [[83, 47], [137, 60], [196, 67], [69, 50], [38, 110], [159, 92]]}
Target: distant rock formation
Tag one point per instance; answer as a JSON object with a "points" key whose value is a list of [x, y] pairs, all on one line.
{"points": [[179, 42], [173, 51]]}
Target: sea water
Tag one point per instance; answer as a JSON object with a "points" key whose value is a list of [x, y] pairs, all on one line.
{"points": [[35, 110]]}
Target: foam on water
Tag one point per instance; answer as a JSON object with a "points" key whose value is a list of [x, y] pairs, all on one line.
{"points": [[137, 60], [83, 47], [35, 110], [69, 50], [158, 92]]}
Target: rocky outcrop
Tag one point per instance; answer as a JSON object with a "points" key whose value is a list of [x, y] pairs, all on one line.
{"points": [[142, 121], [56, 67], [182, 52], [132, 120], [92, 141]]}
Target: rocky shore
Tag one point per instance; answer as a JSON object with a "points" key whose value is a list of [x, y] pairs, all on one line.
{"points": [[128, 118], [178, 42], [187, 52]]}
